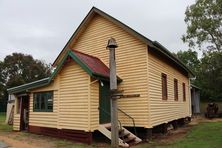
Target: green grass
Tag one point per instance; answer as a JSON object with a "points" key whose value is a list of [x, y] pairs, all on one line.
{"points": [[4, 127], [204, 135]]}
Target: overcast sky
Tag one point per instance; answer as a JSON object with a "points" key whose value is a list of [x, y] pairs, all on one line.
{"points": [[42, 27]]}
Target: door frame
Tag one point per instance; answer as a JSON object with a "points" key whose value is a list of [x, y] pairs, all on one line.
{"points": [[24, 103]]}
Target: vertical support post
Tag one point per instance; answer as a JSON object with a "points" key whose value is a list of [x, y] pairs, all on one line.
{"points": [[113, 87], [148, 134]]}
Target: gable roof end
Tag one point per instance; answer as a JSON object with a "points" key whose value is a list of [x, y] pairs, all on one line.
{"points": [[89, 16], [150, 43], [90, 64]]}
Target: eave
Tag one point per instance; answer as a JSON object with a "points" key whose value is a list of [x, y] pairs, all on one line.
{"points": [[26, 87]]}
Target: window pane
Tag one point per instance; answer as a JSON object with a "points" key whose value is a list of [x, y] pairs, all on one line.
{"points": [[50, 101], [43, 101], [164, 86], [184, 92], [176, 89], [36, 101], [43, 104]]}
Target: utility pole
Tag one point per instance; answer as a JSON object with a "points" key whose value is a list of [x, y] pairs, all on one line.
{"points": [[113, 88]]}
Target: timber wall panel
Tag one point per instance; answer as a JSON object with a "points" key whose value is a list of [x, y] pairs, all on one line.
{"points": [[16, 118], [163, 111], [74, 98], [16, 122], [70, 103], [46, 119], [131, 57], [94, 104]]}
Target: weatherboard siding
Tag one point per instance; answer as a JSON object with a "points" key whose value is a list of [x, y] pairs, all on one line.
{"points": [[70, 103], [16, 122], [163, 111], [94, 104], [16, 118], [74, 98], [131, 57], [45, 119]]}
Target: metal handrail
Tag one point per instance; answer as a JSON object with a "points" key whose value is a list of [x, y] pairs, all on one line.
{"points": [[120, 124], [131, 119], [110, 116]]}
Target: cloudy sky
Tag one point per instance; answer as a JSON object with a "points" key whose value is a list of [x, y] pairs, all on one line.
{"points": [[42, 27]]}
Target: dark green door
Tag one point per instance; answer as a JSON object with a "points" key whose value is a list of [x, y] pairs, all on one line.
{"points": [[104, 103]]}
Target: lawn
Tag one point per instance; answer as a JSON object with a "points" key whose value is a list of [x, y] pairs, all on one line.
{"points": [[4, 127], [203, 135]]}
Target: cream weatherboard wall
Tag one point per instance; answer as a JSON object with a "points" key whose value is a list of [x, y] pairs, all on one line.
{"points": [[75, 102], [46, 119], [131, 57], [94, 104], [16, 119], [74, 98], [16, 122], [163, 111]]}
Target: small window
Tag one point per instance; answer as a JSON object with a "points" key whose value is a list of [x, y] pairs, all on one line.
{"points": [[175, 89], [184, 92], [164, 86], [43, 101]]}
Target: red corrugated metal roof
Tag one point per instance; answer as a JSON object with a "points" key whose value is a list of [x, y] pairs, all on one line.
{"points": [[94, 63]]}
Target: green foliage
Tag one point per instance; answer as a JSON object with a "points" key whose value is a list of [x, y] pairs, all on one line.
{"points": [[190, 59], [17, 69], [208, 72], [210, 76], [20, 69], [204, 24]]}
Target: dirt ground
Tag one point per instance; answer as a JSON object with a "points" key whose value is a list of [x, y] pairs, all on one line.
{"points": [[21, 140], [27, 140]]}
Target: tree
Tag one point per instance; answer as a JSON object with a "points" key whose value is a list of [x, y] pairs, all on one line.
{"points": [[190, 59], [204, 24], [208, 72], [20, 69], [211, 75], [17, 69], [2, 80]]}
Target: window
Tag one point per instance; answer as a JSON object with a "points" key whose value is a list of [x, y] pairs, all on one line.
{"points": [[43, 101], [164, 86], [184, 92], [175, 89]]}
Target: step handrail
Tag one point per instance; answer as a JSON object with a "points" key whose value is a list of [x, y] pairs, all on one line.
{"points": [[134, 126], [120, 124]]}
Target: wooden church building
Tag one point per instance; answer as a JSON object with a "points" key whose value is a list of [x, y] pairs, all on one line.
{"points": [[74, 101]]}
